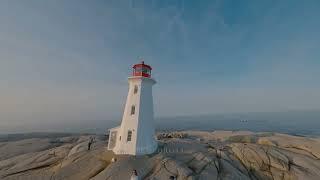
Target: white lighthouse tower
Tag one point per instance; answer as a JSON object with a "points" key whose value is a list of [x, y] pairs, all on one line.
{"points": [[136, 135]]}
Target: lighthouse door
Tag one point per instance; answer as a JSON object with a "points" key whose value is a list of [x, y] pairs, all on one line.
{"points": [[112, 139]]}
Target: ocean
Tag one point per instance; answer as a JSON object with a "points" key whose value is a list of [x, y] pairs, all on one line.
{"points": [[303, 123]]}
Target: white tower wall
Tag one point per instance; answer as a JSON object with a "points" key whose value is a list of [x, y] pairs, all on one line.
{"points": [[141, 123]]}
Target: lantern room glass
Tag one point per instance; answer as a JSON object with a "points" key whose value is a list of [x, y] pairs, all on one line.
{"points": [[142, 71]]}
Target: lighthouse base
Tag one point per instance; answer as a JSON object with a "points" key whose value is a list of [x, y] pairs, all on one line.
{"points": [[139, 151], [121, 149]]}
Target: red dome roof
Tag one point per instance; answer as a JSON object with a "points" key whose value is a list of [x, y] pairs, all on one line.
{"points": [[142, 65]]}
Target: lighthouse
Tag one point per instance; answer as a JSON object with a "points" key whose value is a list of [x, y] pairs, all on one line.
{"points": [[136, 134]]}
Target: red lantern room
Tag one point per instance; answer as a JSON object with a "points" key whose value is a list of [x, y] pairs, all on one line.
{"points": [[142, 70]]}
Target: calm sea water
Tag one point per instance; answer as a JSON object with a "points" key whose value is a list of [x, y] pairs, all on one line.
{"points": [[298, 123]]}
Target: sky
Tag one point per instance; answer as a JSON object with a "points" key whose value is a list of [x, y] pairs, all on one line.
{"points": [[68, 61]]}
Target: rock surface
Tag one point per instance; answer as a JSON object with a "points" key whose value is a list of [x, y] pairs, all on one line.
{"points": [[186, 155]]}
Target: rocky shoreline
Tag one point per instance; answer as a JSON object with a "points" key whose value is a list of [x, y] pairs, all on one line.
{"points": [[185, 154]]}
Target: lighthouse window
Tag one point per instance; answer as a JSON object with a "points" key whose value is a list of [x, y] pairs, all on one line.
{"points": [[129, 135], [135, 89], [138, 68], [145, 70], [133, 109]]}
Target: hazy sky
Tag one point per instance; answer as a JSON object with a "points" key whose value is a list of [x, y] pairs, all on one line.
{"points": [[68, 60]]}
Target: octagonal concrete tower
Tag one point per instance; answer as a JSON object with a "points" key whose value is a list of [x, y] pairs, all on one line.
{"points": [[136, 135]]}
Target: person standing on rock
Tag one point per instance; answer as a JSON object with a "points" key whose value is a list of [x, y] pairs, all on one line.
{"points": [[90, 143], [134, 175]]}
